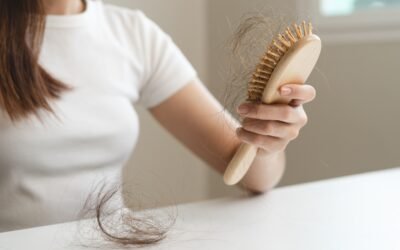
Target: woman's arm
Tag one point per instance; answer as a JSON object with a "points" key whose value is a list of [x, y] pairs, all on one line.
{"points": [[199, 121]]}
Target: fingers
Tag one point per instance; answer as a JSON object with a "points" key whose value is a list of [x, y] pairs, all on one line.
{"points": [[271, 128], [274, 112], [300, 93]]}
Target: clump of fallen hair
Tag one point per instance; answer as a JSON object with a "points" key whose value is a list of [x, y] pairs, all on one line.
{"points": [[248, 42], [113, 224]]}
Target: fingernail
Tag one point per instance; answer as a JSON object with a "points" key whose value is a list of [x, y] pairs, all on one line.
{"points": [[243, 109], [286, 91]]}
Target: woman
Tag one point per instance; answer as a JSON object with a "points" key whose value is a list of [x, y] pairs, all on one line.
{"points": [[67, 84]]}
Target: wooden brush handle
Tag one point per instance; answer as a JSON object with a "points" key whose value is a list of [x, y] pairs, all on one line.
{"points": [[240, 163], [294, 67]]}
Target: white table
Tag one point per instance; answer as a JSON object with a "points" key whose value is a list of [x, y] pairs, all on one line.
{"points": [[356, 212]]}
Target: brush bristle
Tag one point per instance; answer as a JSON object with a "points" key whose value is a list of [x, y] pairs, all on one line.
{"points": [[276, 50]]}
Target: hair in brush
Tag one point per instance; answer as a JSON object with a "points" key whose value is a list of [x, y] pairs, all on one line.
{"points": [[276, 50], [243, 49], [289, 58]]}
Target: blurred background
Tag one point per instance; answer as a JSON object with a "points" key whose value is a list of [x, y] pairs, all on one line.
{"points": [[353, 123]]}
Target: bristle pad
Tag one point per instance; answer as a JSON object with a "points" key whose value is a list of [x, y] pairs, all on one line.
{"points": [[274, 53]]}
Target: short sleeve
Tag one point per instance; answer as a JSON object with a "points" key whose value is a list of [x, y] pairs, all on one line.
{"points": [[166, 69]]}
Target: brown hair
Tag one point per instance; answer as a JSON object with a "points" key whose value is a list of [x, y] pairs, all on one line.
{"points": [[119, 225], [25, 87], [254, 31]]}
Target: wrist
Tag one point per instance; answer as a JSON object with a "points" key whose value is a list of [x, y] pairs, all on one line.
{"points": [[264, 154]]}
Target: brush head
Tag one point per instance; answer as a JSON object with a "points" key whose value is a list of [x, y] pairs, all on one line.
{"points": [[295, 37]]}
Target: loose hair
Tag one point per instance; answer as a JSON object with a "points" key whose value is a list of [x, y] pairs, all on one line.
{"points": [[114, 225], [253, 32], [25, 86]]}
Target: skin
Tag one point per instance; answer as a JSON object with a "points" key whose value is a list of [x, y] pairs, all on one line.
{"points": [[199, 121], [63, 7]]}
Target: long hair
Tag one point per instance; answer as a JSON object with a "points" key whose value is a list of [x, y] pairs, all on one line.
{"points": [[25, 87]]}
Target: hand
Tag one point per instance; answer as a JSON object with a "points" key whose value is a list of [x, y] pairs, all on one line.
{"points": [[272, 127]]}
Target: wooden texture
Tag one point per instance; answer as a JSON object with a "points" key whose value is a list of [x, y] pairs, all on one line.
{"points": [[294, 67]]}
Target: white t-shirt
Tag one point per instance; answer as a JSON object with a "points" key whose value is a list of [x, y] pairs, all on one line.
{"points": [[112, 58]]}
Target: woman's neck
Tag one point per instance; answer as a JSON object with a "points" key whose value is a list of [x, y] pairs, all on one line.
{"points": [[63, 7]]}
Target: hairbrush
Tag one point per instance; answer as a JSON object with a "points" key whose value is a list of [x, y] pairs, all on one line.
{"points": [[290, 58]]}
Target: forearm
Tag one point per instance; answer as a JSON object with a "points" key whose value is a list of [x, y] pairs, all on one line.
{"points": [[211, 133], [265, 172]]}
